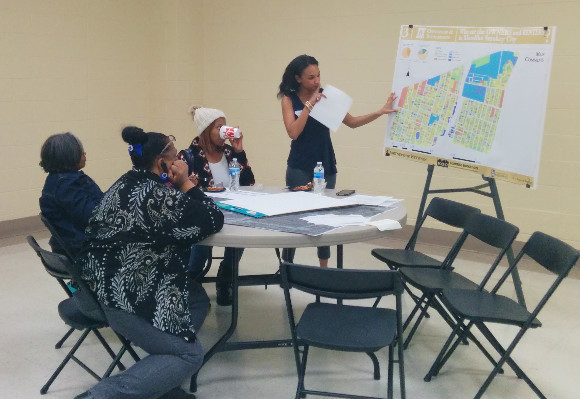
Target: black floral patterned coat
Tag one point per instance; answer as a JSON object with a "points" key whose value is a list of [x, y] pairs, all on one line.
{"points": [[137, 247]]}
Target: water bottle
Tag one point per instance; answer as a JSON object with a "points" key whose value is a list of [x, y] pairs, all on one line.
{"points": [[318, 181], [234, 175]]}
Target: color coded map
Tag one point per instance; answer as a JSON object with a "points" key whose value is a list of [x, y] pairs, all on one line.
{"points": [[472, 98]]}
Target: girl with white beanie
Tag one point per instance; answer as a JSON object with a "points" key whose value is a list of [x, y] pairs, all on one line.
{"points": [[208, 157]]}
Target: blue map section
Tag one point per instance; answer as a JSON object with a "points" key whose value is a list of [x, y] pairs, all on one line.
{"points": [[433, 81], [433, 119], [480, 73], [474, 92]]}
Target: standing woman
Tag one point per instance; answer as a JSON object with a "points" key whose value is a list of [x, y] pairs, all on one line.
{"points": [[208, 158], [135, 259], [300, 91]]}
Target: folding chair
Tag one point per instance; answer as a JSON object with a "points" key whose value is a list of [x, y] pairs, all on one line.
{"points": [[65, 249], [449, 212], [494, 232], [80, 312], [345, 327], [481, 307]]}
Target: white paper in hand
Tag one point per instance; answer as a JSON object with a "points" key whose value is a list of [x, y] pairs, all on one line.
{"points": [[331, 110]]}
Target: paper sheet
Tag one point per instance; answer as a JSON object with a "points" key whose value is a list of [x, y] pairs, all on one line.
{"points": [[331, 110], [278, 204]]}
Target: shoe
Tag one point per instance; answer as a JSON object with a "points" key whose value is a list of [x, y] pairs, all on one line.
{"points": [[177, 393], [224, 296]]}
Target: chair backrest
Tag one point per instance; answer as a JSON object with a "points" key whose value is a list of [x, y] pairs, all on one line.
{"points": [[553, 255], [451, 213], [56, 236], [60, 266], [341, 283], [490, 230]]}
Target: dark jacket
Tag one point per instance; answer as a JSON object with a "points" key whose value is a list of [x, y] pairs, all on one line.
{"points": [[67, 200], [195, 158]]}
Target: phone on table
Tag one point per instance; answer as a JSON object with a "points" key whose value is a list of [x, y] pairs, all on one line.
{"points": [[344, 193]]}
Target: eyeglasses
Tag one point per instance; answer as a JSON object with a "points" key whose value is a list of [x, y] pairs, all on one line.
{"points": [[171, 140]]}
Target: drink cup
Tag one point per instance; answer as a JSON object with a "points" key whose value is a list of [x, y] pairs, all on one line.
{"points": [[228, 132]]}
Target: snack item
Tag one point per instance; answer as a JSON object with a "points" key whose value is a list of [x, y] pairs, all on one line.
{"points": [[306, 187]]}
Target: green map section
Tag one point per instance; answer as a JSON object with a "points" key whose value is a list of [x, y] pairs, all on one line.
{"points": [[466, 110]]}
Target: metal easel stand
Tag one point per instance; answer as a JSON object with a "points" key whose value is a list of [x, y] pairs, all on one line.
{"points": [[494, 194]]}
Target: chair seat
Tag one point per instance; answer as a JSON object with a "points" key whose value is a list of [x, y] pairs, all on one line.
{"points": [[347, 328], [403, 257], [69, 312], [484, 306], [427, 279]]}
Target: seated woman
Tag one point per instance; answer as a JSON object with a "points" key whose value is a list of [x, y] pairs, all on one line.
{"points": [[135, 259], [68, 196], [208, 157]]}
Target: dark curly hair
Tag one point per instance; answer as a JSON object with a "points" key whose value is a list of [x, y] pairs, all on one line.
{"points": [[295, 68], [152, 144]]}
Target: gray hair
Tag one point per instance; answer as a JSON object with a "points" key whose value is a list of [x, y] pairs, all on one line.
{"points": [[61, 152]]}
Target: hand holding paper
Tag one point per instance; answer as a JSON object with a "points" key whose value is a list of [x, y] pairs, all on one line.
{"points": [[332, 108]]}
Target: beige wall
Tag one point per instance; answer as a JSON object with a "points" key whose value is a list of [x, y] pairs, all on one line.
{"points": [[91, 67]]}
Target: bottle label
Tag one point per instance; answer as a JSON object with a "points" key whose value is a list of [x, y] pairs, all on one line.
{"points": [[234, 171], [319, 175]]}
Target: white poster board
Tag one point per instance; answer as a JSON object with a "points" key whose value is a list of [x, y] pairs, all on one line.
{"points": [[472, 98]]}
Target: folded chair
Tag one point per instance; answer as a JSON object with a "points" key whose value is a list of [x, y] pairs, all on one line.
{"points": [[80, 312], [345, 327], [449, 212], [495, 233], [480, 307]]}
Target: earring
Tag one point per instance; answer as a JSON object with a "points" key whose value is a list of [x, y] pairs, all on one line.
{"points": [[164, 176]]}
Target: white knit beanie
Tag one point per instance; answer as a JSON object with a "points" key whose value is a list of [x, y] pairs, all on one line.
{"points": [[203, 117]]}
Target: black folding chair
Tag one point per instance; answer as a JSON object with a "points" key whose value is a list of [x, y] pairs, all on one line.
{"points": [[56, 236], [81, 312], [493, 232], [345, 327], [449, 212], [481, 307]]}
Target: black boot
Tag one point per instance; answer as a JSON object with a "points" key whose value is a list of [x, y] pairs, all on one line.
{"points": [[223, 285]]}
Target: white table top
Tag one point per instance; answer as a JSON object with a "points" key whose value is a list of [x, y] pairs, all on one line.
{"points": [[249, 237]]}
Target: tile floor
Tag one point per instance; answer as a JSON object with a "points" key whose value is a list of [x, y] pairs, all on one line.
{"points": [[31, 327]]}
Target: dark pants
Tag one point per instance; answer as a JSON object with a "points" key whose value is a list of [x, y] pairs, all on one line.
{"points": [[171, 359], [299, 177], [201, 253]]}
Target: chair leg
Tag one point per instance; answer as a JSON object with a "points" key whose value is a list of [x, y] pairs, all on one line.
{"points": [[437, 364], [301, 373], [465, 331], [376, 366], [417, 322], [64, 338], [68, 357], [505, 358], [108, 349], [390, 373]]}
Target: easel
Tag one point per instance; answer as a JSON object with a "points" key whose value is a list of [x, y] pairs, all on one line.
{"points": [[493, 193]]}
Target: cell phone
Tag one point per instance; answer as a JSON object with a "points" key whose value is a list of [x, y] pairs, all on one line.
{"points": [[344, 193]]}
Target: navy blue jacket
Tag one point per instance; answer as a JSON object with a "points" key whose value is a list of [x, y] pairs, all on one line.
{"points": [[67, 201]]}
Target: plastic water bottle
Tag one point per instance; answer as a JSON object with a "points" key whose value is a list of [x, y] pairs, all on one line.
{"points": [[234, 175], [318, 181]]}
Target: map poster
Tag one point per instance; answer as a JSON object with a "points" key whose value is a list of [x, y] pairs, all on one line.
{"points": [[472, 98]]}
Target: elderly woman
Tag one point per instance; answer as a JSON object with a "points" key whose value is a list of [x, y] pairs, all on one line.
{"points": [[69, 195], [135, 259]]}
